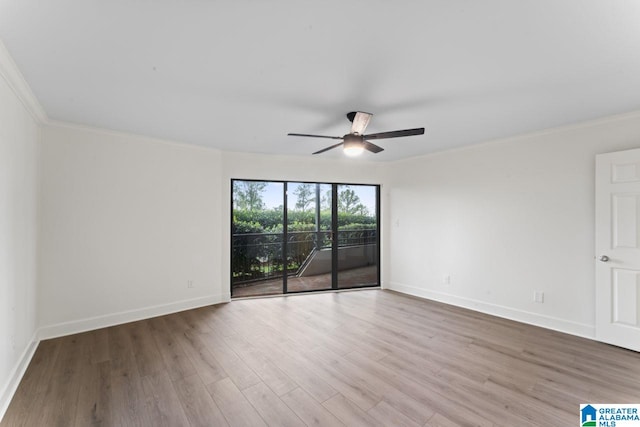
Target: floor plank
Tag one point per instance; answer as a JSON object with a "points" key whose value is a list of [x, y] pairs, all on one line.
{"points": [[207, 367], [94, 401], [310, 411], [349, 413], [295, 367], [270, 407], [440, 421], [173, 355], [61, 399], [270, 374], [144, 347], [198, 404], [163, 403], [128, 399], [389, 416], [232, 364], [234, 406]]}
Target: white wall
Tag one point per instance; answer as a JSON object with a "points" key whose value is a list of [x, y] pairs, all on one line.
{"points": [[127, 221], [19, 139], [504, 219]]}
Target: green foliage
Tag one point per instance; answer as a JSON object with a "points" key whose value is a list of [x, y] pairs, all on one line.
{"points": [[356, 226], [246, 227], [248, 195], [346, 219], [306, 195], [301, 226], [325, 201], [252, 250], [270, 221], [349, 202], [301, 217], [293, 227]]}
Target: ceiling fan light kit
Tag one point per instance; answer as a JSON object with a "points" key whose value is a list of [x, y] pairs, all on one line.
{"points": [[354, 143]]}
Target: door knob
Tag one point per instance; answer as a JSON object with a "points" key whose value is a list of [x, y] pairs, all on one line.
{"points": [[604, 258]]}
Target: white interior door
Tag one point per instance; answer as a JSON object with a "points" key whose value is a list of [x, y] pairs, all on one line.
{"points": [[618, 248]]}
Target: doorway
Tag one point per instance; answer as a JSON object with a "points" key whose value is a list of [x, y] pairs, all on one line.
{"points": [[289, 237]]}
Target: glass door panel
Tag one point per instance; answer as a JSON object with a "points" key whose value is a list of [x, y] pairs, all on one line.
{"points": [[357, 236], [257, 238], [308, 236]]}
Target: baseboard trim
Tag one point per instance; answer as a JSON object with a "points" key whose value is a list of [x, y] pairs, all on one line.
{"points": [[548, 322], [16, 375], [92, 323]]}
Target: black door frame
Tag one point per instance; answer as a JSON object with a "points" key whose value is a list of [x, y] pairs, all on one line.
{"points": [[334, 231]]}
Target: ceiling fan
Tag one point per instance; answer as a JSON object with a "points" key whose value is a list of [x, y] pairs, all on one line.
{"points": [[355, 142]]}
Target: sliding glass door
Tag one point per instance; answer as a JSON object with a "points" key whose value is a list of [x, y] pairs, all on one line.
{"points": [[308, 237], [357, 236], [289, 237], [256, 238]]}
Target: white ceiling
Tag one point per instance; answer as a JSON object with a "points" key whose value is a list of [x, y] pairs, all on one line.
{"points": [[240, 74]]}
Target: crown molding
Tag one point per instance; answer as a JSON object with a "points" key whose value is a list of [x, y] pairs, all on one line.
{"points": [[14, 78], [557, 130]]}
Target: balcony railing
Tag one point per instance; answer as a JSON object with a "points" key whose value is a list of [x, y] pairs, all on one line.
{"points": [[259, 256]]}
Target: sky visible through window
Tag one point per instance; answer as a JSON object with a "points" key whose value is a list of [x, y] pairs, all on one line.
{"points": [[272, 195]]}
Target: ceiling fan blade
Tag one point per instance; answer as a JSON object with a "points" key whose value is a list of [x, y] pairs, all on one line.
{"points": [[395, 133], [360, 122], [314, 136], [328, 148], [371, 147]]}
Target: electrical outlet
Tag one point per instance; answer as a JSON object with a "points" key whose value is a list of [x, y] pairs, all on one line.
{"points": [[13, 342], [446, 279], [190, 284], [538, 296]]}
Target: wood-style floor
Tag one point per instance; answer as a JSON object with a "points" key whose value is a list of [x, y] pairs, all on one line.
{"points": [[362, 358]]}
